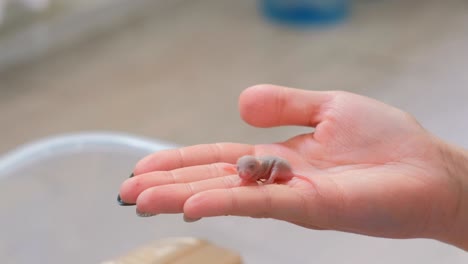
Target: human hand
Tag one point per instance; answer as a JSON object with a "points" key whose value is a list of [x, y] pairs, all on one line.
{"points": [[372, 170]]}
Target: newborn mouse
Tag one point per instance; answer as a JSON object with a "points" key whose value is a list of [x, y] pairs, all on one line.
{"points": [[267, 169]]}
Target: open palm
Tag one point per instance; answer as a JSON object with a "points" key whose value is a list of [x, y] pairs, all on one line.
{"points": [[367, 168]]}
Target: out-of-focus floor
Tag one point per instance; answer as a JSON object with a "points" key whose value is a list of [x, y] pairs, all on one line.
{"points": [[176, 75]]}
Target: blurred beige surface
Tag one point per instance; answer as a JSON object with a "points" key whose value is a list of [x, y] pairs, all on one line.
{"points": [[180, 250], [176, 75]]}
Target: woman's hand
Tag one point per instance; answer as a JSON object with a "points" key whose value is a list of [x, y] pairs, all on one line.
{"points": [[372, 170]]}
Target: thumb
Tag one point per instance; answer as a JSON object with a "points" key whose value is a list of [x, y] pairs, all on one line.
{"points": [[269, 105]]}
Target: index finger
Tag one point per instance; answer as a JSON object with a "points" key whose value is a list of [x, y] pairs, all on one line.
{"points": [[193, 155]]}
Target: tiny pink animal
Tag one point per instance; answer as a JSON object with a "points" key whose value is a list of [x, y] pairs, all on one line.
{"points": [[267, 169]]}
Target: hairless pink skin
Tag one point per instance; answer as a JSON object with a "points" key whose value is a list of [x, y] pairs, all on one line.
{"points": [[268, 169]]}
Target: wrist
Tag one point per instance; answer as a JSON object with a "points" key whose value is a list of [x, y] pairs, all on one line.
{"points": [[456, 166]]}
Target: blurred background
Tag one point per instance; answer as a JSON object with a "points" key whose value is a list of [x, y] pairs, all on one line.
{"points": [[173, 70]]}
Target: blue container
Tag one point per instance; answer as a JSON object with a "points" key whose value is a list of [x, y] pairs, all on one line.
{"points": [[305, 12]]}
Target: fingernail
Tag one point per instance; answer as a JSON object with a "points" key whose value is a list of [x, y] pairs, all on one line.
{"points": [[141, 214], [122, 203], [190, 220], [119, 200]]}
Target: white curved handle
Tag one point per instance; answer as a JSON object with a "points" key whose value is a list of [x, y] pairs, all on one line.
{"points": [[62, 144]]}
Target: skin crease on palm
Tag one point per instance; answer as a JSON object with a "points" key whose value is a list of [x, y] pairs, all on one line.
{"points": [[371, 169]]}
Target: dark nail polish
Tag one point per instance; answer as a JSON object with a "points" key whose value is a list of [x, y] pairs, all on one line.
{"points": [[122, 203], [119, 200], [191, 220], [141, 214]]}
